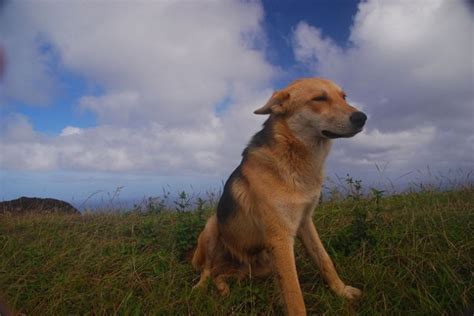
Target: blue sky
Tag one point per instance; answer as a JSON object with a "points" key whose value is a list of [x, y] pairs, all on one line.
{"points": [[281, 17], [102, 95]]}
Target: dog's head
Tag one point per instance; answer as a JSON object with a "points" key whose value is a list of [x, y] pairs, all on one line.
{"points": [[315, 107]]}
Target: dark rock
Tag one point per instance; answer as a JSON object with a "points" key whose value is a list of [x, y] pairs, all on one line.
{"points": [[36, 205]]}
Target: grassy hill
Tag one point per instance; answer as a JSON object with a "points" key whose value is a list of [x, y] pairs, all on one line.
{"points": [[411, 254]]}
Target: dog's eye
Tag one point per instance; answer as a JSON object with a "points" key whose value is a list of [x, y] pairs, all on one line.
{"points": [[320, 98], [344, 96]]}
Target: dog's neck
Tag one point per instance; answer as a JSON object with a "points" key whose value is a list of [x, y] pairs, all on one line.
{"points": [[304, 150], [301, 161]]}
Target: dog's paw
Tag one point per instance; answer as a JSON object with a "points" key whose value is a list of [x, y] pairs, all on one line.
{"points": [[198, 286], [223, 289], [351, 293]]}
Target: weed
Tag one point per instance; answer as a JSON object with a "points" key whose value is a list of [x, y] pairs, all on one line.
{"points": [[200, 208], [186, 231], [182, 202], [360, 231], [153, 205], [355, 187]]}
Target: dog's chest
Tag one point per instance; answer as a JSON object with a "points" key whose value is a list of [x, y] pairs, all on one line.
{"points": [[299, 198], [293, 208]]}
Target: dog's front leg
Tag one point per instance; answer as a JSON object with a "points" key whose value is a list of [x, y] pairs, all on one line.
{"points": [[315, 248], [282, 250]]}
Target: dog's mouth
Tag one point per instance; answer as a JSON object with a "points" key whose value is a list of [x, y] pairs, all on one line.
{"points": [[332, 135]]}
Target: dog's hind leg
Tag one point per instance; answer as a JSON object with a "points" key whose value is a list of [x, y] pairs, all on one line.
{"points": [[205, 251], [222, 268], [315, 248], [201, 262]]}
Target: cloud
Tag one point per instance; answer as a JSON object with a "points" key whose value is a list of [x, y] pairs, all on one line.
{"points": [[399, 148], [412, 66], [161, 68], [26, 64], [71, 130], [110, 148], [176, 83], [409, 65], [169, 62]]}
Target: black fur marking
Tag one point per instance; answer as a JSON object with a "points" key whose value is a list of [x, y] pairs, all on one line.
{"points": [[262, 138], [227, 203]]}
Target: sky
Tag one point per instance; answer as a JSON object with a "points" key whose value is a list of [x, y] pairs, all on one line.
{"points": [[146, 96]]}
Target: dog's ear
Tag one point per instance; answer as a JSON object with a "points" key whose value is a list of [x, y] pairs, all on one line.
{"points": [[275, 104]]}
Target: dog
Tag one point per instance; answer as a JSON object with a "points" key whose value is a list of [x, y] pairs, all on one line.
{"points": [[269, 198]]}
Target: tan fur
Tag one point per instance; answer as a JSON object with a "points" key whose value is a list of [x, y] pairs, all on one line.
{"points": [[277, 189]]}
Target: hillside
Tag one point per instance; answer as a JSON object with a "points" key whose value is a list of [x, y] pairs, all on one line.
{"points": [[411, 254]]}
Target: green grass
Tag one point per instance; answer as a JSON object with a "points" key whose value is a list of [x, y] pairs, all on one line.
{"points": [[411, 254]]}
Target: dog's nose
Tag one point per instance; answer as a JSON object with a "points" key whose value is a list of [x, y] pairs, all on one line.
{"points": [[358, 119]]}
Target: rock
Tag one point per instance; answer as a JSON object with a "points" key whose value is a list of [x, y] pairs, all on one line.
{"points": [[36, 205]]}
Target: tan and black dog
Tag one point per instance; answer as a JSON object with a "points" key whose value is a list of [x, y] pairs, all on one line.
{"points": [[269, 199]]}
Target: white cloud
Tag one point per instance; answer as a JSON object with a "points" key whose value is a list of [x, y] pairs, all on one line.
{"points": [[71, 130], [410, 63], [403, 62], [28, 66], [398, 148], [162, 68], [166, 62], [16, 128], [109, 148]]}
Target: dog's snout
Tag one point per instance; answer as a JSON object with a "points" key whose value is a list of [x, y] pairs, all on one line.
{"points": [[358, 119]]}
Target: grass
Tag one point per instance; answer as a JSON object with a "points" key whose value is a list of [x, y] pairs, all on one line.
{"points": [[411, 254]]}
